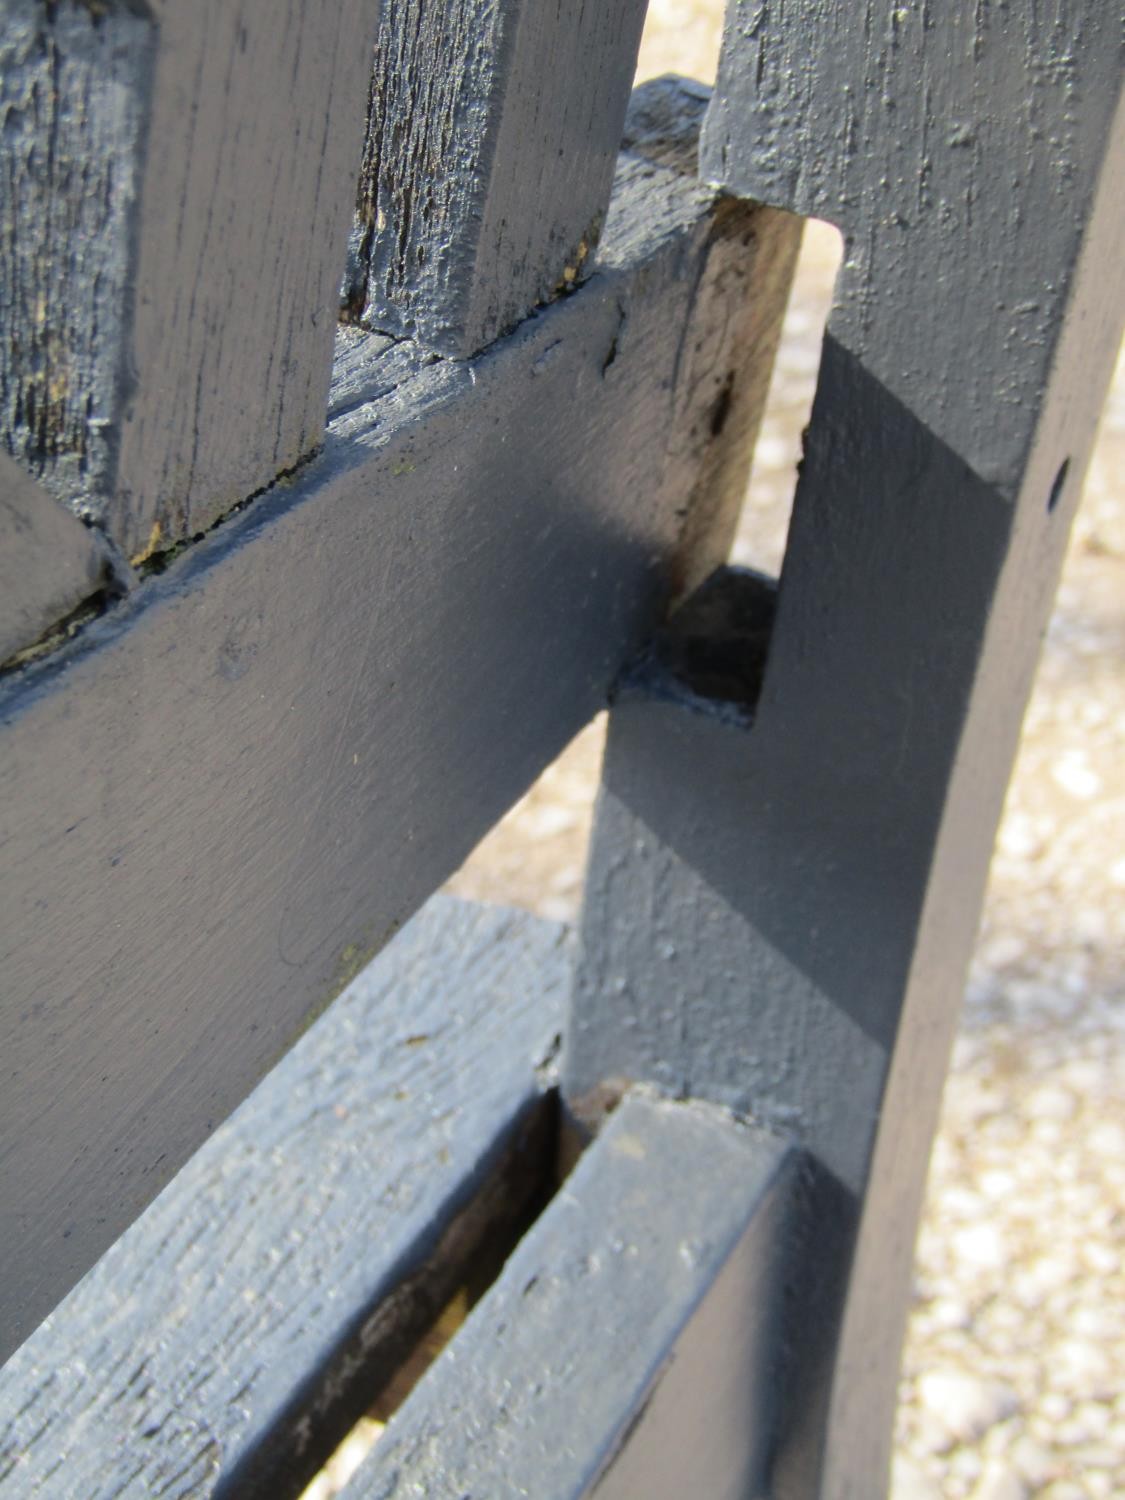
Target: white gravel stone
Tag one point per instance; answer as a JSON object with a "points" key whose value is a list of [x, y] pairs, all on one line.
{"points": [[946, 1312], [1035, 1461], [931, 1436], [1102, 1259], [556, 908], [965, 1405], [1050, 1102], [1000, 1482], [1073, 772], [1095, 1417], [980, 1246], [545, 822], [966, 1464], [1083, 1368], [1018, 837], [997, 1184], [1106, 1139], [1004, 948], [1093, 1323], [1094, 1456], [1055, 1406], [910, 1482]]}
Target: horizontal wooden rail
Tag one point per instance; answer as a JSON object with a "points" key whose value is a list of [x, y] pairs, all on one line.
{"points": [[224, 798]]}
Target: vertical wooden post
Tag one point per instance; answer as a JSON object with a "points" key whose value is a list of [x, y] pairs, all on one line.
{"points": [[178, 181], [492, 134], [810, 883]]}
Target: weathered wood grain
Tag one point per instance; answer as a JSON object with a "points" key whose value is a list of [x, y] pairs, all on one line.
{"points": [[49, 562], [493, 129], [601, 1362], [810, 885], [233, 787], [178, 184], [230, 1338], [72, 103]]}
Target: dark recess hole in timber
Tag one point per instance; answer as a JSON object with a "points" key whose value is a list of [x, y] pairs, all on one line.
{"points": [[714, 647], [1058, 486], [721, 409]]}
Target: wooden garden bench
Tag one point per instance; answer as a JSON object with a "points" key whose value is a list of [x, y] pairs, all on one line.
{"points": [[328, 520]]}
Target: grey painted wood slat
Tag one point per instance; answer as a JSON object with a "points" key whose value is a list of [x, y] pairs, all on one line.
{"points": [[493, 129], [49, 562], [811, 885], [601, 1361], [179, 182], [233, 788], [229, 1339]]}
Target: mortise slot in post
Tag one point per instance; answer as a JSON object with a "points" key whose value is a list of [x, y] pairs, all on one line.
{"points": [[713, 650]]}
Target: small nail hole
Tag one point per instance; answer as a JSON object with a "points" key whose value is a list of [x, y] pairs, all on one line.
{"points": [[1057, 488]]}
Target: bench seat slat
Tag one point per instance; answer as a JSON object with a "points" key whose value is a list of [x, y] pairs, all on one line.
{"points": [[630, 1347], [222, 1345]]}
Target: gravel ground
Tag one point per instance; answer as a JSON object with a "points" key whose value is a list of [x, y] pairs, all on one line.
{"points": [[1013, 1379]]}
